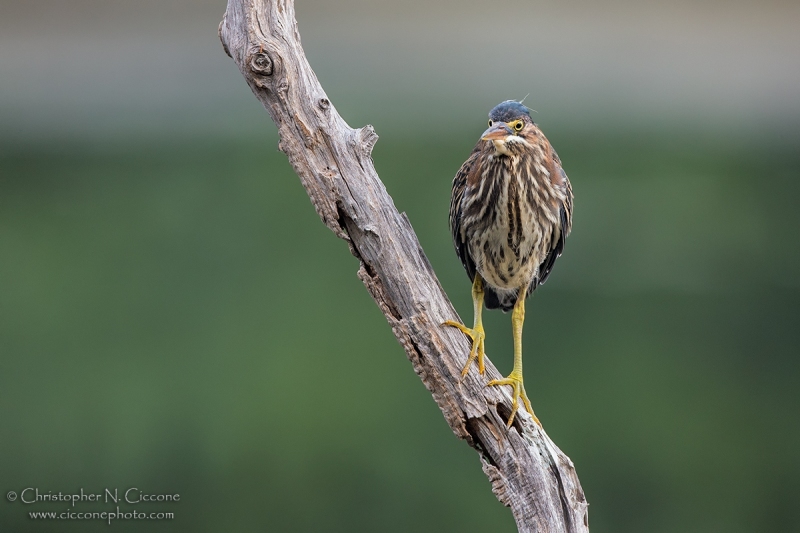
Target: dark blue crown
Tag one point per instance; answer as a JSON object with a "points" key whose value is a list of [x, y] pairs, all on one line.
{"points": [[508, 111]]}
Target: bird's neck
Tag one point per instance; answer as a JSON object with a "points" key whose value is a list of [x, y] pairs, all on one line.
{"points": [[501, 148]]}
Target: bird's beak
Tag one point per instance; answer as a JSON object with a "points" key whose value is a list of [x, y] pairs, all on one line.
{"points": [[497, 132]]}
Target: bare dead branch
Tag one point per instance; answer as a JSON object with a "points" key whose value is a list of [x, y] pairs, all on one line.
{"points": [[527, 471]]}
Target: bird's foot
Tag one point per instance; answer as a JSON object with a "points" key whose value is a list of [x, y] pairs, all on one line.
{"points": [[515, 380], [477, 352]]}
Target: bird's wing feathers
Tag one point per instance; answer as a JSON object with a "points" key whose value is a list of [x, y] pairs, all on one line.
{"points": [[459, 185], [560, 231]]}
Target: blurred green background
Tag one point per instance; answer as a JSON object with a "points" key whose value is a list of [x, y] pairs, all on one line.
{"points": [[174, 316]]}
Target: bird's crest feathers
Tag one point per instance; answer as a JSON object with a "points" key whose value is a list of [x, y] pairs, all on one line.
{"points": [[508, 111]]}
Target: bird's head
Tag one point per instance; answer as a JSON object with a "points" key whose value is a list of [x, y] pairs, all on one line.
{"points": [[509, 122]]}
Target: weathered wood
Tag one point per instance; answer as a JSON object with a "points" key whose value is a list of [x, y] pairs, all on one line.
{"points": [[527, 471]]}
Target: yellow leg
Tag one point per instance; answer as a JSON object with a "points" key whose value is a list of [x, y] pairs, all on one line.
{"points": [[515, 378], [476, 333]]}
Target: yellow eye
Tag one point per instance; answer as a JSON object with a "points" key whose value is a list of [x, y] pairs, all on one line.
{"points": [[490, 123], [519, 125]]}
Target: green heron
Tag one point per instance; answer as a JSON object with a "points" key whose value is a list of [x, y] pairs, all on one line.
{"points": [[510, 211]]}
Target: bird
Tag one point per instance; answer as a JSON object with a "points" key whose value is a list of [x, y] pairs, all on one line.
{"points": [[510, 213]]}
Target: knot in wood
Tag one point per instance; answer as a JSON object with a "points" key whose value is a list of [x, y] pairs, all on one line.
{"points": [[283, 87], [260, 63], [324, 104]]}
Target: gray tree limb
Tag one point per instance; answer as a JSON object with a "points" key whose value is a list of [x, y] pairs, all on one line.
{"points": [[527, 471]]}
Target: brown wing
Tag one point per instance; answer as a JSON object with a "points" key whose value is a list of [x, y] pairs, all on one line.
{"points": [[459, 185], [561, 231]]}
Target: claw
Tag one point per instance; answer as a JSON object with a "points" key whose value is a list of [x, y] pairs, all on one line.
{"points": [[477, 352], [515, 381]]}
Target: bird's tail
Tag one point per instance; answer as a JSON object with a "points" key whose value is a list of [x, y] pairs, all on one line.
{"points": [[504, 299]]}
